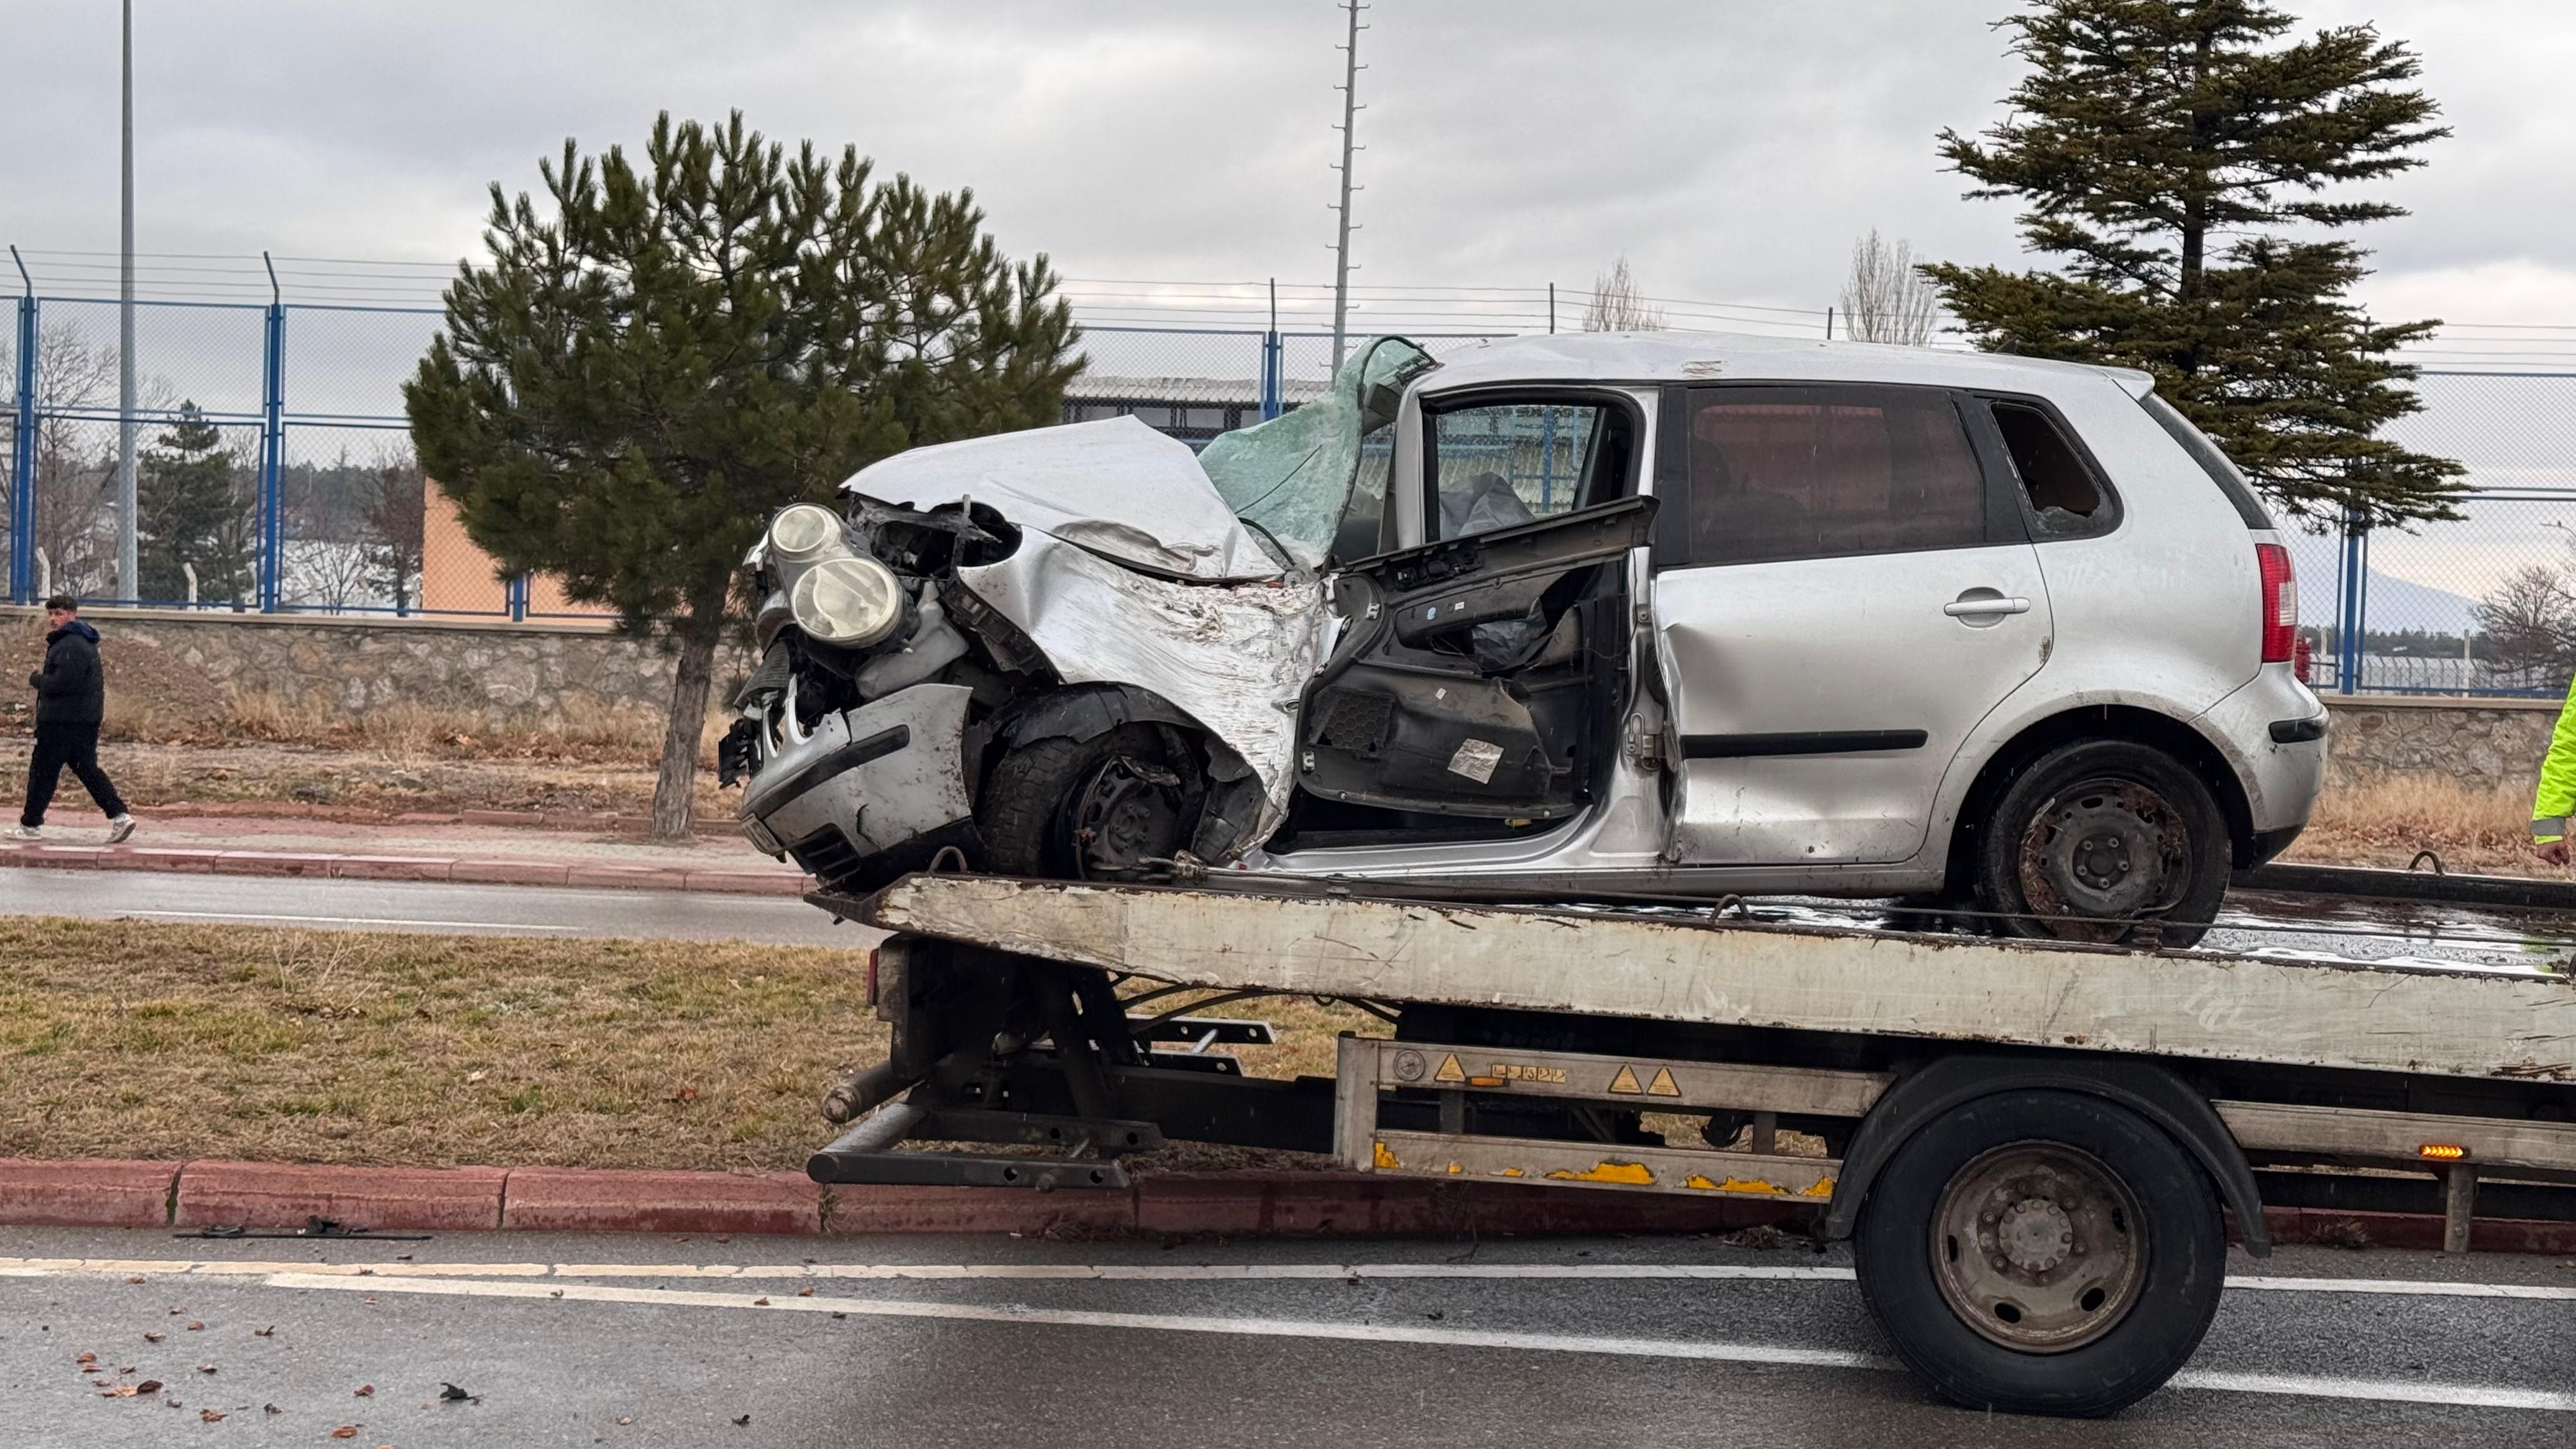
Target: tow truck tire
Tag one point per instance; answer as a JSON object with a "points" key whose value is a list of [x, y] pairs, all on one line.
{"points": [[1047, 799], [2112, 831], [2042, 1252]]}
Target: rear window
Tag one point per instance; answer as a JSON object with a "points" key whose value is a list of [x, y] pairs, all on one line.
{"points": [[1782, 473], [2211, 461]]}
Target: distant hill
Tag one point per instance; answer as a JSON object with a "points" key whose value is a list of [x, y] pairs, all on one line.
{"points": [[2394, 603]]}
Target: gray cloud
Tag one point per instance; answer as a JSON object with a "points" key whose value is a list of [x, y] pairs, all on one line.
{"points": [[1731, 150]]}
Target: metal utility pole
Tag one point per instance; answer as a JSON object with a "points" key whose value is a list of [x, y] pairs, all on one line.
{"points": [[1342, 245], [128, 584]]}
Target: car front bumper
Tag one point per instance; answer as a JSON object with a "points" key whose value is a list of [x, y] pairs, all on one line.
{"points": [[871, 792]]}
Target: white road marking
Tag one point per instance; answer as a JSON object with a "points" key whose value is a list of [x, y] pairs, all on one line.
{"points": [[1168, 1273], [2380, 1390], [340, 920]]}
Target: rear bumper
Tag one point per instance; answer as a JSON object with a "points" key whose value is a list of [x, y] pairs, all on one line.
{"points": [[2273, 730], [872, 793]]}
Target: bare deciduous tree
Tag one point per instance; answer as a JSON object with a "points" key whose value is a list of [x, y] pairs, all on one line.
{"points": [[1616, 305], [2528, 623], [1886, 298], [397, 518], [74, 482]]}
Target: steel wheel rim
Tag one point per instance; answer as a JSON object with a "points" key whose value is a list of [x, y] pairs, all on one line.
{"points": [[2108, 850], [2039, 1247], [1127, 814]]}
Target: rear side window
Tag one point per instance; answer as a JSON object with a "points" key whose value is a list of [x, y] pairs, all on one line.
{"points": [[2212, 462], [2067, 498], [1819, 472]]}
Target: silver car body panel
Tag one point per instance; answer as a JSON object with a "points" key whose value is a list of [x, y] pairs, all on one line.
{"points": [[1235, 658], [879, 801], [1115, 487]]}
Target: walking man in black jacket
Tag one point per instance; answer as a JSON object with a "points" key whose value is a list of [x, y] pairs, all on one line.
{"points": [[71, 696]]}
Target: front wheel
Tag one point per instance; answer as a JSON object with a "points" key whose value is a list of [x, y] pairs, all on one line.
{"points": [[1106, 808], [2042, 1252], [2104, 840]]}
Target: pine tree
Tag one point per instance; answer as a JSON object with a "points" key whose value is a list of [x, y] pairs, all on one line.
{"points": [[640, 376], [2179, 161], [191, 509]]}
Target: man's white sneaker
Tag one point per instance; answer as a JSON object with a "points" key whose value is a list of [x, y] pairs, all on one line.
{"points": [[120, 829], [22, 832]]}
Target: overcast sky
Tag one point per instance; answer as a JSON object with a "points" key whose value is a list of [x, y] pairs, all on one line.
{"points": [[1730, 148]]}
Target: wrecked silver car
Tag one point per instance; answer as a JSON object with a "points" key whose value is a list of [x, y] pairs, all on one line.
{"points": [[1076, 651], [1674, 613]]}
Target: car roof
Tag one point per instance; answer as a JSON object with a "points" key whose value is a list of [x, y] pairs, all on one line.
{"points": [[1739, 357]]}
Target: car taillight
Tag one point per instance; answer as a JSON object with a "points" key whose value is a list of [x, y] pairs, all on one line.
{"points": [[2303, 661], [2280, 603]]}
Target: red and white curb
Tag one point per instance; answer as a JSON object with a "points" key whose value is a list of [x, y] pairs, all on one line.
{"points": [[200, 1194], [456, 868]]}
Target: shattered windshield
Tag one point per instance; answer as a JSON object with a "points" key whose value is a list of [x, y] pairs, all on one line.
{"points": [[1291, 476]]}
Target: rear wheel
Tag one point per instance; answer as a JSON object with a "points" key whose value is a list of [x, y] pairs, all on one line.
{"points": [[2042, 1252], [1095, 809], [2104, 840]]}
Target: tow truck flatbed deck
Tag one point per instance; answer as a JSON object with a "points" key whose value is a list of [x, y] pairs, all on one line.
{"points": [[2416, 1018]]}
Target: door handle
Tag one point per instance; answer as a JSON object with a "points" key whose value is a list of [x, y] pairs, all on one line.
{"points": [[1984, 604]]}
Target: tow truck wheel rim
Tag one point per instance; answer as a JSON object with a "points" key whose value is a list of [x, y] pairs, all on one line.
{"points": [[2038, 1246]]}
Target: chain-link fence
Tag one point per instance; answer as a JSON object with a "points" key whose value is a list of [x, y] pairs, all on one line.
{"points": [[273, 472]]}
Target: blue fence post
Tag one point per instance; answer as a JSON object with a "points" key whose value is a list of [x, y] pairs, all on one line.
{"points": [[518, 595], [1273, 364], [22, 455], [272, 446], [2348, 629]]}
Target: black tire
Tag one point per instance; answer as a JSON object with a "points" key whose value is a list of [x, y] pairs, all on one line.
{"points": [[2104, 840], [1030, 816], [2176, 1244]]}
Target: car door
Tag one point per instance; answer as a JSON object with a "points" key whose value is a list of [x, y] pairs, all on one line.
{"points": [[1842, 589], [1478, 675]]}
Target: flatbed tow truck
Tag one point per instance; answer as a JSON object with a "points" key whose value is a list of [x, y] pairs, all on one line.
{"points": [[2034, 1147]]}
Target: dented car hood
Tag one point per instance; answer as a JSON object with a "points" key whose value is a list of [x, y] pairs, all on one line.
{"points": [[1115, 488]]}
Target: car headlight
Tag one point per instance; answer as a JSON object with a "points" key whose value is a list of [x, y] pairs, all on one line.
{"points": [[852, 602], [805, 531]]}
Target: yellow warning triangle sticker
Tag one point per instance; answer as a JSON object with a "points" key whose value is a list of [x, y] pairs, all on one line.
{"points": [[1449, 1071], [1626, 1082], [1663, 1085]]}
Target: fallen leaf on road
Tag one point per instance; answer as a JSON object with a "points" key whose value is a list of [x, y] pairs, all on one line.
{"points": [[263, 1332], [270, 1409], [451, 1393], [345, 1431], [760, 1303], [804, 1292], [626, 1421], [194, 1325], [85, 1358], [154, 1337], [205, 1368], [121, 1391], [135, 1279], [148, 1386], [745, 1419], [365, 1391], [210, 1416]]}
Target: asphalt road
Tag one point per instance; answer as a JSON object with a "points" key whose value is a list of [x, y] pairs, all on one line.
{"points": [[358, 905], [660, 1342]]}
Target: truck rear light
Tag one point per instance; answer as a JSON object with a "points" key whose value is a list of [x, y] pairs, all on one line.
{"points": [[2280, 603]]}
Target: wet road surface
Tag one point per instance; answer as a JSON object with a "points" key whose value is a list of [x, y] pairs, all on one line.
{"points": [[652, 1341]]}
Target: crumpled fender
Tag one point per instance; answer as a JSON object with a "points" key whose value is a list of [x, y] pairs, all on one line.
{"points": [[1231, 659]]}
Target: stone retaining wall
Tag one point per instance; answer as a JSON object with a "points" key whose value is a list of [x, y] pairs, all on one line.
{"points": [[2479, 743], [514, 675]]}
